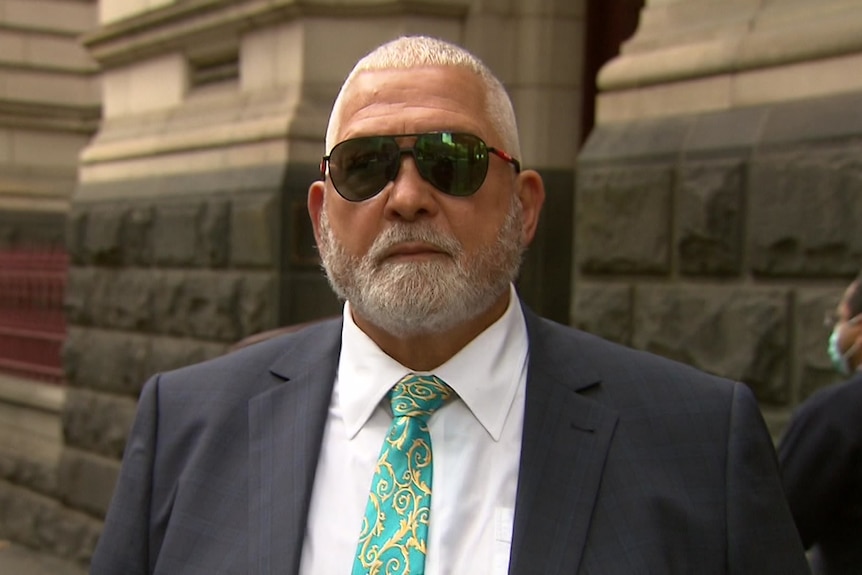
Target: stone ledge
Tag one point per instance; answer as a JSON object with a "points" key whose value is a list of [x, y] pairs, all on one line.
{"points": [[30, 433], [219, 134], [79, 119], [21, 560], [43, 524], [168, 177], [746, 131], [31, 394], [758, 40], [179, 25]]}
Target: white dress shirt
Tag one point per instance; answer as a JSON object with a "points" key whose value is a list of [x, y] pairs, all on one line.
{"points": [[476, 443]]}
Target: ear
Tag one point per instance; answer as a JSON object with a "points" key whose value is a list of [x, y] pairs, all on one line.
{"points": [[531, 192], [316, 191]]}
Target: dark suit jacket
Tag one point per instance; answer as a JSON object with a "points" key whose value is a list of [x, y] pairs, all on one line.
{"points": [[630, 464], [821, 458]]}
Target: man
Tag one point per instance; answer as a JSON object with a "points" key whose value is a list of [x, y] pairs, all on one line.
{"points": [[820, 452], [526, 447]]}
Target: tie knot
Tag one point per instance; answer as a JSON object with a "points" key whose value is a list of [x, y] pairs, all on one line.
{"points": [[419, 396]]}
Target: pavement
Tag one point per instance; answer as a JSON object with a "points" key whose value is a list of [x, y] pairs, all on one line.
{"points": [[19, 560]]}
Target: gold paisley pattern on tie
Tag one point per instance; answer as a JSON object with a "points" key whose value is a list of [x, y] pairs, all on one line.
{"points": [[395, 527]]}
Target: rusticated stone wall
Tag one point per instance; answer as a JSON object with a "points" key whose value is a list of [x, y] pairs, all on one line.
{"points": [[165, 281], [30, 446], [31, 229], [189, 229], [169, 280], [721, 239]]}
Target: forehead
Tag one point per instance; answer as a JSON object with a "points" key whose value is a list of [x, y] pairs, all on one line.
{"points": [[413, 100]]}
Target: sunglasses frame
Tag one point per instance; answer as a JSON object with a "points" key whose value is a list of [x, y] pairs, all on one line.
{"points": [[411, 150]]}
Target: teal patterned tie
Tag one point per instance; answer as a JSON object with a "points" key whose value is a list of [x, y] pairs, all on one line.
{"points": [[395, 526]]}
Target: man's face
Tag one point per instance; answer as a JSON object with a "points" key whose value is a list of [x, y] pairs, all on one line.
{"points": [[412, 259]]}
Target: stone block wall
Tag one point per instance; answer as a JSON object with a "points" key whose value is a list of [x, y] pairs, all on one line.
{"points": [[30, 489], [189, 230], [31, 229], [722, 239], [161, 282]]}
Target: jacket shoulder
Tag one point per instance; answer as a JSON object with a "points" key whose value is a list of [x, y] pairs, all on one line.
{"points": [[619, 367], [248, 370]]}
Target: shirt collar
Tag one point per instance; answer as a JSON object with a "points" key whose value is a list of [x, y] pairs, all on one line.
{"points": [[485, 373]]}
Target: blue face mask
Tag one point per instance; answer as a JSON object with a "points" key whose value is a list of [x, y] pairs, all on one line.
{"points": [[840, 361]]}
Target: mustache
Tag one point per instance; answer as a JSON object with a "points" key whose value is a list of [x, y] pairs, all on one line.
{"points": [[403, 233]]}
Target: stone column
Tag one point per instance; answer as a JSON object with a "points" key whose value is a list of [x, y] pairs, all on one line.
{"points": [[48, 111], [189, 230], [537, 48], [49, 107], [717, 197]]}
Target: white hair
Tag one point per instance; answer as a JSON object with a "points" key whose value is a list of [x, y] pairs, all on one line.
{"points": [[417, 51]]}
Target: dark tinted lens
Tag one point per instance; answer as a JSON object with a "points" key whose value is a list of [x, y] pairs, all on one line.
{"points": [[454, 163], [361, 167]]}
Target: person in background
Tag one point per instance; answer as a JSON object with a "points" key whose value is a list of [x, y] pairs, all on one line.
{"points": [[821, 452], [439, 426]]}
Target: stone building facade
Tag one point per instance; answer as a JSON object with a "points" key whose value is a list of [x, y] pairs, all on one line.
{"points": [[49, 111], [716, 196], [188, 230], [707, 217]]}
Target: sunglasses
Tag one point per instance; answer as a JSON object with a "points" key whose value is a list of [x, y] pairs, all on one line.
{"points": [[454, 163]]}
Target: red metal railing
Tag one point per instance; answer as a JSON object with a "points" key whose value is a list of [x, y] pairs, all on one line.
{"points": [[32, 322]]}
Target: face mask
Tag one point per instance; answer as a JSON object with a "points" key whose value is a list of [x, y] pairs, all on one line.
{"points": [[840, 361]]}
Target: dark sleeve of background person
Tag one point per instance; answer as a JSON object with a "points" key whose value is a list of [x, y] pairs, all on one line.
{"points": [[821, 460]]}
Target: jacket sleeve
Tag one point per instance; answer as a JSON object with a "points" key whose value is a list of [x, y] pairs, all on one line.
{"points": [[816, 462], [124, 545], [761, 536]]}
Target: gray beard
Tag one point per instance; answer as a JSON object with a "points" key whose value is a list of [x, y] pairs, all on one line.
{"points": [[416, 298]]}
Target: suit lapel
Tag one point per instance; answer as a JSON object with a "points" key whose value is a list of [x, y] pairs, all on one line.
{"points": [[565, 443], [286, 426]]}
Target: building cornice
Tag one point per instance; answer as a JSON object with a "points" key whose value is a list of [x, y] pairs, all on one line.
{"points": [[38, 30], [32, 394], [34, 116], [50, 68], [750, 39], [177, 26]]}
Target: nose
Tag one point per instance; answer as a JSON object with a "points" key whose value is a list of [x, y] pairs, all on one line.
{"points": [[410, 196]]}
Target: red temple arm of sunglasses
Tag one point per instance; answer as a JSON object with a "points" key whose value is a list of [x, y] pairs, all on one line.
{"points": [[500, 153]]}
